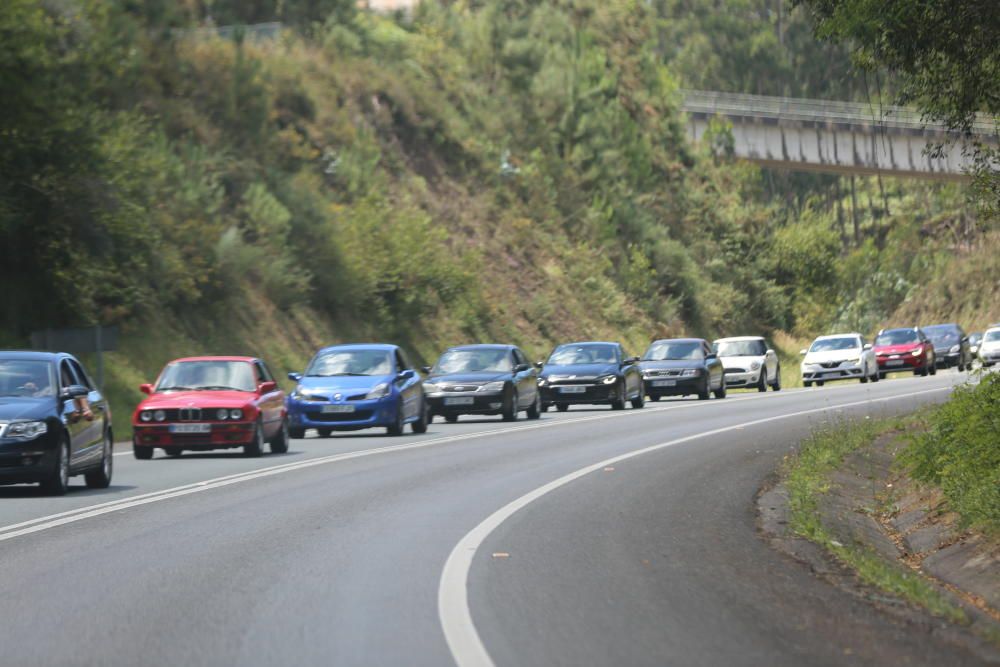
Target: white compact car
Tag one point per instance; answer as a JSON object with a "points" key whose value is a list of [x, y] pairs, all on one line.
{"points": [[749, 362], [839, 357], [989, 347]]}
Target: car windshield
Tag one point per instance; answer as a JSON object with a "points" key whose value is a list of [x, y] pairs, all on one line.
{"points": [[831, 344], [351, 362], [19, 377], [586, 353], [214, 375], [666, 350], [992, 336], [474, 361], [942, 335], [897, 337], [975, 338], [740, 348]]}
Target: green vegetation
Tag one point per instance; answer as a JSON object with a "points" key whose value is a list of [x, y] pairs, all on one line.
{"points": [[500, 170], [807, 478], [957, 450]]}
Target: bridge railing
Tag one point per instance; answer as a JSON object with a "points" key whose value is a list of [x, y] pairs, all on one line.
{"points": [[790, 108]]}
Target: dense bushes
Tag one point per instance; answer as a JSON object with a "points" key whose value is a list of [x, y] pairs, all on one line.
{"points": [[960, 452]]}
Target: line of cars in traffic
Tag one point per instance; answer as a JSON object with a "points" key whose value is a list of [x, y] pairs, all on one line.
{"points": [[55, 423]]}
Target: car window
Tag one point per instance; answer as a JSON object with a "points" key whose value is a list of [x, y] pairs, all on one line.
{"points": [[740, 348], [474, 360], [342, 361], [263, 372], [584, 353], [991, 336], [66, 375], [944, 334], [207, 375], [519, 357], [29, 378], [81, 375], [402, 363], [667, 350], [839, 343], [899, 337]]}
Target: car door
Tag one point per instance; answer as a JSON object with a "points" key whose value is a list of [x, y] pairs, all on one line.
{"points": [[525, 379], [271, 404], [410, 389], [94, 428], [628, 372], [76, 425], [713, 365], [771, 363]]}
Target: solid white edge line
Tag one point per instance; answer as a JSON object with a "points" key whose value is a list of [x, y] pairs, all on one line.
{"points": [[460, 632], [89, 511]]}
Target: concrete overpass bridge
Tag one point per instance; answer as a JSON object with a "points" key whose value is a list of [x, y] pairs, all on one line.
{"points": [[834, 137]]}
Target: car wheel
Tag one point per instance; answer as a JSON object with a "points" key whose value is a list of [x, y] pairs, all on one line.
{"points": [[142, 453], [173, 452], [562, 407], [255, 447], [510, 406], [57, 482], [807, 384], [101, 477], [820, 383], [703, 394], [762, 380], [296, 433], [864, 378], [535, 410], [396, 428], [420, 426], [776, 385], [640, 400], [451, 419], [619, 403], [280, 443], [933, 370], [324, 432], [721, 391]]}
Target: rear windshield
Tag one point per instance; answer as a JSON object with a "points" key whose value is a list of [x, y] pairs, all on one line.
{"points": [[740, 348], [897, 337]]}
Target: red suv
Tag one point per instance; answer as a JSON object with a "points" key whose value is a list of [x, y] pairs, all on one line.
{"points": [[904, 350], [204, 403]]}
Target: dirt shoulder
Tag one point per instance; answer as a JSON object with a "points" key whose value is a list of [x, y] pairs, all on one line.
{"points": [[887, 539]]}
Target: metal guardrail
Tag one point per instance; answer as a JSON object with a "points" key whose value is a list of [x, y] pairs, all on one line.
{"points": [[797, 109]]}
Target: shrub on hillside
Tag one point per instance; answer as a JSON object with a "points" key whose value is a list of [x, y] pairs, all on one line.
{"points": [[960, 452]]}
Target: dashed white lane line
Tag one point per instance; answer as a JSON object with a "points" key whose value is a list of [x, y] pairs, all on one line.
{"points": [[453, 591]]}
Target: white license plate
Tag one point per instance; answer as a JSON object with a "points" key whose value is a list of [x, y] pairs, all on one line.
{"points": [[459, 400], [894, 356], [337, 409], [572, 390], [190, 428], [664, 383], [894, 362]]}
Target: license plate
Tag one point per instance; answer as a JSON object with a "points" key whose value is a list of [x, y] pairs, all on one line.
{"points": [[572, 390], [337, 409], [664, 383], [894, 356], [190, 428], [459, 400], [894, 362]]}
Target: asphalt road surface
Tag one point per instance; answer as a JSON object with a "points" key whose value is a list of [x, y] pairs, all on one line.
{"points": [[589, 537]]}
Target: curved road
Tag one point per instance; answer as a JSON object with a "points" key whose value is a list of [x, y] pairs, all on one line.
{"points": [[586, 538]]}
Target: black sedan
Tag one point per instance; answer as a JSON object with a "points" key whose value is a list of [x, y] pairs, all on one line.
{"points": [[951, 346], [54, 423], [591, 373], [483, 380], [682, 367]]}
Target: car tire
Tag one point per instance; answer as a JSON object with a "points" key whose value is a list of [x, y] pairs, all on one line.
{"points": [[535, 409], [761, 380], [776, 385], [451, 419], [933, 370], [704, 394], [820, 383], [279, 445], [100, 478], [173, 452], [619, 403], [863, 378], [655, 398], [296, 433], [142, 453], [509, 413], [324, 432], [57, 483], [255, 447], [420, 426], [721, 391], [881, 375], [562, 407], [807, 383], [396, 428], [640, 400]]}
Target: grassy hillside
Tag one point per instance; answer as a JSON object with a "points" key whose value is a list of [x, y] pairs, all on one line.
{"points": [[509, 171]]}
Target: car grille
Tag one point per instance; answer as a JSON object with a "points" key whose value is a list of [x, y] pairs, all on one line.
{"points": [[736, 370], [460, 387], [192, 415], [359, 415], [663, 373], [830, 364]]}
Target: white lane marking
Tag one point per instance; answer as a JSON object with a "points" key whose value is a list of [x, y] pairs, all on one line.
{"points": [[460, 632], [78, 514]]}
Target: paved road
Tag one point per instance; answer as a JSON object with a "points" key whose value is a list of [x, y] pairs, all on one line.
{"points": [[336, 553]]}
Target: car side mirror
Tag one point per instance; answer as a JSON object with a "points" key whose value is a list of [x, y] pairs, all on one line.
{"points": [[267, 387], [520, 368], [146, 388], [867, 346], [405, 375], [75, 391], [803, 351], [295, 377], [770, 351], [711, 355], [539, 364], [426, 369]]}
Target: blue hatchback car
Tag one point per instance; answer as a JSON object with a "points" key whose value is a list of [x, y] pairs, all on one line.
{"points": [[352, 387]]}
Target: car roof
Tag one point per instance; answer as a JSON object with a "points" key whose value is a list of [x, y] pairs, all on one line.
{"points": [[388, 347], [34, 355], [937, 326], [215, 358], [589, 342], [737, 339], [679, 340], [483, 346], [853, 334]]}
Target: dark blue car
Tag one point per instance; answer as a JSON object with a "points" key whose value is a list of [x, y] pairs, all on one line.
{"points": [[353, 387]]}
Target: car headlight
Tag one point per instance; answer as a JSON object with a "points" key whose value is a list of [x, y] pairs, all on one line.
{"points": [[295, 395], [608, 379], [236, 414], [431, 388], [954, 349], [26, 430], [543, 382], [690, 372], [222, 414], [146, 416], [917, 352], [380, 390], [159, 415], [492, 386], [755, 365]]}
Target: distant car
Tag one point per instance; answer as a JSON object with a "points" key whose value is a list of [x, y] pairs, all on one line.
{"points": [[749, 362], [974, 340], [951, 346], [989, 348], [205, 403], [591, 373], [483, 380], [682, 367], [353, 387], [54, 423], [839, 357], [905, 349]]}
